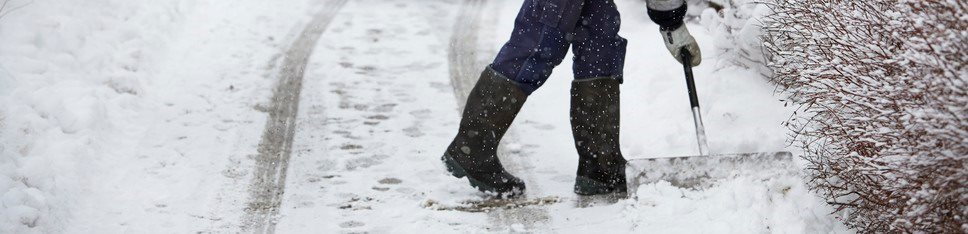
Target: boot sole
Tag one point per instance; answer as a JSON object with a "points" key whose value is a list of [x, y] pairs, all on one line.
{"points": [[453, 167], [586, 187], [457, 171]]}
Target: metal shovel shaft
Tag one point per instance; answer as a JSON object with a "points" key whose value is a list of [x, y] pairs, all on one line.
{"points": [[694, 102]]}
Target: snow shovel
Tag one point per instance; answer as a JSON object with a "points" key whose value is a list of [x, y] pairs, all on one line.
{"points": [[704, 169]]}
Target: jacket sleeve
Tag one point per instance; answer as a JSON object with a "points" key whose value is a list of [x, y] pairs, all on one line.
{"points": [[667, 13]]}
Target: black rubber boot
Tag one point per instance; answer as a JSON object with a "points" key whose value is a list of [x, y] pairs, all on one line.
{"points": [[595, 126], [490, 109]]}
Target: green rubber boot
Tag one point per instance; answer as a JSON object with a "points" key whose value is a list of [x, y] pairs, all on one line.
{"points": [[490, 109], [595, 126]]}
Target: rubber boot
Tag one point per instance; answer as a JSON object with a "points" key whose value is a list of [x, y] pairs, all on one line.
{"points": [[595, 126], [491, 107]]}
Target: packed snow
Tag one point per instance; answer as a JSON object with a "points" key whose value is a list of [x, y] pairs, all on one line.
{"points": [[145, 116]]}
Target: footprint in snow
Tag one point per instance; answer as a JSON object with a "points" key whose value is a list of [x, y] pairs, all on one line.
{"points": [[350, 147], [381, 189], [421, 113], [359, 163], [390, 180], [385, 108], [351, 224], [379, 117], [413, 131]]}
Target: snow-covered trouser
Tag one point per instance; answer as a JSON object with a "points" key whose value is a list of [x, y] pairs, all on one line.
{"points": [[537, 46]]}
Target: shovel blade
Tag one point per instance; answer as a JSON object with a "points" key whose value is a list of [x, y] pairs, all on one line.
{"points": [[701, 171]]}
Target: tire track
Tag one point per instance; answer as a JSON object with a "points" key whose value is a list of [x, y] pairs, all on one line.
{"points": [[269, 179], [465, 57], [462, 54]]}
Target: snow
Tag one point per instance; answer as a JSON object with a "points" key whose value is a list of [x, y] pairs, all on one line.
{"points": [[734, 206], [124, 116], [144, 116]]}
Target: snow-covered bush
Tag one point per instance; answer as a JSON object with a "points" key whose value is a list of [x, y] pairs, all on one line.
{"points": [[882, 89], [736, 30]]}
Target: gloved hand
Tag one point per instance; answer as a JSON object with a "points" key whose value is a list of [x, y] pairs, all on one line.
{"points": [[676, 39]]}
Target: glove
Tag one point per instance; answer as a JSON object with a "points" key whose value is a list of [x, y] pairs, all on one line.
{"points": [[680, 38]]}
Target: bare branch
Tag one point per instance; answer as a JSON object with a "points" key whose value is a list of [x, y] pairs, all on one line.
{"points": [[6, 3]]}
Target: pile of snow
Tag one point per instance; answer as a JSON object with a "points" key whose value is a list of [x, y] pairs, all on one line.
{"points": [[736, 30], [74, 72], [736, 205], [116, 117]]}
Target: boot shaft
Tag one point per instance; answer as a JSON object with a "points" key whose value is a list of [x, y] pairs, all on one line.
{"points": [[595, 111], [491, 106], [595, 125]]}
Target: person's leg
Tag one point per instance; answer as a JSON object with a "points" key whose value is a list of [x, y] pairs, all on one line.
{"points": [[599, 59], [491, 107], [599, 50], [522, 66], [533, 50]]}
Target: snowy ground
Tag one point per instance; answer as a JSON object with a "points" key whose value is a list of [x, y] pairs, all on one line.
{"points": [[147, 117]]}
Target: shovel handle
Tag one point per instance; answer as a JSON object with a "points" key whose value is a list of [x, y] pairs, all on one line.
{"points": [[690, 82], [694, 102]]}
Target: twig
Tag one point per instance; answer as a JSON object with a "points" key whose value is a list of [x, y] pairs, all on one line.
{"points": [[12, 9]]}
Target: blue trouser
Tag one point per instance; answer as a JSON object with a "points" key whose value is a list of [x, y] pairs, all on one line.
{"points": [[536, 48]]}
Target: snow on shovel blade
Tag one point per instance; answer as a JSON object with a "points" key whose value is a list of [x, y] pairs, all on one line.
{"points": [[702, 171]]}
